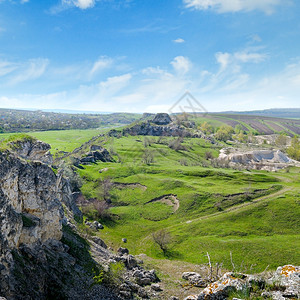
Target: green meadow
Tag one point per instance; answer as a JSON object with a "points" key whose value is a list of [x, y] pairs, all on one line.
{"points": [[254, 215]]}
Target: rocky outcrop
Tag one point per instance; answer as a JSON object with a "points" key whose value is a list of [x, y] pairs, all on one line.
{"points": [[162, 119], [30, 212], [284, 284], [147, 128], [288, 279], [97, 153], [42, 256], [269, 160], [30, 148], [29, 195]]}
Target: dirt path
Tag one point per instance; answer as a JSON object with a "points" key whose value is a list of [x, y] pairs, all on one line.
{"points": [[238, 207], [228, 210]]}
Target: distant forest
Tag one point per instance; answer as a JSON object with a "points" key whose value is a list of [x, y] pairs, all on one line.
{"points": [[12, 120]]}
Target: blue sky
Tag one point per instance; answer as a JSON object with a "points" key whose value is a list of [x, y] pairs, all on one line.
{"points": [[142, 55]]}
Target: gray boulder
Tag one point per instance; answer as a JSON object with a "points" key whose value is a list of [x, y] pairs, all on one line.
{"points": [[162, 119], [194, 279]]}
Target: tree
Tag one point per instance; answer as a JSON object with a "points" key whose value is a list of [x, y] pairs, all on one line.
{"points": [[294, 150], [224, 133], [238, 129], [104, 189], [176, 144], [208, 155], [281, 141], [146, 142], [163, 239], [241, 137], [148, 157], [206, 128]]}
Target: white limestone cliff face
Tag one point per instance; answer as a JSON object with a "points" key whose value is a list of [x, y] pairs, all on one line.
{"points": [[269, 160], [29, 206]]}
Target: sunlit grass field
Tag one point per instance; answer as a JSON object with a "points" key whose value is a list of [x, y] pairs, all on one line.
{"points": [[255, 215]]}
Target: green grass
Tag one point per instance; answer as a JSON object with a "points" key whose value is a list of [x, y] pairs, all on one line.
{"points": [[259, 234], [60, 140]]}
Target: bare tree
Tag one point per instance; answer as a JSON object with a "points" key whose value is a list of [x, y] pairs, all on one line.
{"points": [[163, 239], [148, 157], [105, 186], [102, 209]]}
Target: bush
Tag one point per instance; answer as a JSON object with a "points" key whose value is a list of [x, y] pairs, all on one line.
{"points": [[294, 150], [163, 239], [176, 145], [224, 133], [208, 155], [148, 157]]}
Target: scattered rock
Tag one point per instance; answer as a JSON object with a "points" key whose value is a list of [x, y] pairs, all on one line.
{"points": [[99, 242], [124, 240], [123, 251], [156, 287], [143, 293], [194, 279]]}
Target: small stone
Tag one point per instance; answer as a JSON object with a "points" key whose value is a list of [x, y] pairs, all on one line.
{"points": [[156, 287], [123, 251], [142, 293], [124, 240]]}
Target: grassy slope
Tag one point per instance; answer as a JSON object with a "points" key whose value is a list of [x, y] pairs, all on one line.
{"points": [[260, 234]]}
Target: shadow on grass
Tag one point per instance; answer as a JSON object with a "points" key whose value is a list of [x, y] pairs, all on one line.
{"points": [[172, 254]]}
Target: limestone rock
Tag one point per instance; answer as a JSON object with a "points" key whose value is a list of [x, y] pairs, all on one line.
{"points": [[287, 276], [156, 287], [258, 159], [221, 288], [32, 149], [194, 279], [162, 119]]}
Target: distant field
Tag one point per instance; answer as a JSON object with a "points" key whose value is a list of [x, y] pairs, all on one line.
{"points": [[252, 123], [62, 140]]}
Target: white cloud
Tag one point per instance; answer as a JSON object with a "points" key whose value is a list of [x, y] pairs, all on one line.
{"points": [[234, 60], [6, 68], [181, 64], [250, 57], [179, 41], [102, 63], [33, 69], [82, 4], [24, 1], [155, 89], [223, 59], [225, 6]]}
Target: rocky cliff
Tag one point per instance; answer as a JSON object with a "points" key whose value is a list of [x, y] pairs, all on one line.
{"points": [[42, 254], [31, 204]]}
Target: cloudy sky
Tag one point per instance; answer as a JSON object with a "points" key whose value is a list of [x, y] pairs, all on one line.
{"points": [[143, 55]]}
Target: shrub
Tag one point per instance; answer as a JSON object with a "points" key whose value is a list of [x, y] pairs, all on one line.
{"points": [[177, 145], [208, 155], [163, 239], [148, 157]]}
